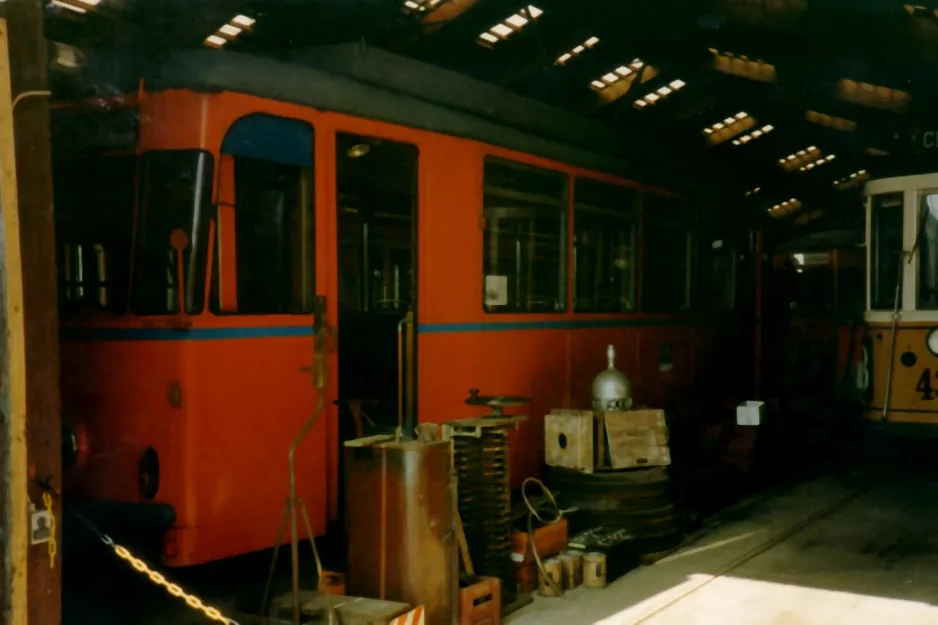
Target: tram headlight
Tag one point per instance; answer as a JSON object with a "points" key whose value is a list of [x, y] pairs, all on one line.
{"points": [[931, 341]]}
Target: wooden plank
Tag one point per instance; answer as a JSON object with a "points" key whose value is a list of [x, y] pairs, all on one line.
{"points": [[15, 544], [29, 65]]}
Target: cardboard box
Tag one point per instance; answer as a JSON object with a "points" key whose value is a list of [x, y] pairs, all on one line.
{"points": [[750, 413]]}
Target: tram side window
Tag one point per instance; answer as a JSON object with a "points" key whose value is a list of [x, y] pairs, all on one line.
{"points": [[605, 224], [667, 256], [94, 201], [524, 257], [274, 237], [886, 250], [175, 194], [717, 275], [928, 252]]}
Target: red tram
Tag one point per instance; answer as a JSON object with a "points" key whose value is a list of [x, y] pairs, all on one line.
{"points": [[511, 260]]}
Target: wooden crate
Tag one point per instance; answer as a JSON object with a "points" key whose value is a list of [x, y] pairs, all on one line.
{"points": [[481, 603], [637, 438], [549, 540], [351, 610], [575, 439]]}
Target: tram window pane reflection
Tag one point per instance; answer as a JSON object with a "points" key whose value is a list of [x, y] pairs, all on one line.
{"points": [[885, 250], [605, 224], [524, 257], [928, 252]]}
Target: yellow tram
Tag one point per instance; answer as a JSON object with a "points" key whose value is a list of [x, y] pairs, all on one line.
{"points": [[901, 353]]}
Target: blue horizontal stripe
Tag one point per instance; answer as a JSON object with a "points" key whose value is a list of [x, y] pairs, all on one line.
{"points": [[265, 332], [189, 334], [565, 324]]}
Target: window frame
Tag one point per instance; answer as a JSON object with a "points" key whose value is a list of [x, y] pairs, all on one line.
{"points": [[564, 205], [681, 216]]}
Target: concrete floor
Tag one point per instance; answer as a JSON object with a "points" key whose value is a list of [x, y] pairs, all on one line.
{"points": [[833, 551]]}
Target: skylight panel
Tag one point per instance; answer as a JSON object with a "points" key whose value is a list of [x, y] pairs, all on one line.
{"points": [[724, 129], [752, 136], [577, 51], [70, 7], [838, 123], [510, 25], [874, 96], [741, 65], [797, 160], [421, 6], [852, 181], [658, 94], [228, 32], [785, 208], [612, 77]]}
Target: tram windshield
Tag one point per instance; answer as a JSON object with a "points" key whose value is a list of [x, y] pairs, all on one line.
{"points": [[928, 252], [94, 198], [885, 249], [175, 194]]}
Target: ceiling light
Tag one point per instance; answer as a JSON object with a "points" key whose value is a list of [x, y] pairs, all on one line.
{"points": [[534, 12], [637, 64], [578, 49], [598, 84], [708, 131], [229, 30], [610, 78], [489, 37], [623, 71], [805, 160], [664, 91], [718, 126], [92, 3], [215, 40], [563, 58], [592, 41], [501, 29], [70, 7], [741, 114], [358, 150], [652, 97], [640, 104], [243, 20], [721, 131], [410, 4]]}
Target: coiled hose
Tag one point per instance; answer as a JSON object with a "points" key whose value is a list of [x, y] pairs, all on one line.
{"points": [[549, 505]]}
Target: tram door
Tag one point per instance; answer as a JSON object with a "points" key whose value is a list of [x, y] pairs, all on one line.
{"points": [[376, 200]]}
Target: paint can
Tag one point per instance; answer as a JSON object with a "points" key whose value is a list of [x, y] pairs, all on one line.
{"points": [[554, 570], [572, 562], [594, 570]]}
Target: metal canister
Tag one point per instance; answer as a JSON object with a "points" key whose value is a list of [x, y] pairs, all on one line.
{"points": [[554, 571], [594, 570], [572, 562]]}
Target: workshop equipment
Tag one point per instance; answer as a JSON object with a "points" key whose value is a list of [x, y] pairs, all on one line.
{"points": [[400, 524], [480, 448]]}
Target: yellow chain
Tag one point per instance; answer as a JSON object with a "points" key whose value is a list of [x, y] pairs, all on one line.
{"points": [[53, 547], [174, 589]]}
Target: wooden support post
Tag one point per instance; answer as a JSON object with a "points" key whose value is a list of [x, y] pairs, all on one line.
{"points": [[29, 389]]}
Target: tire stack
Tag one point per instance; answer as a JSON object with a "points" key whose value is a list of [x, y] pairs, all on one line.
{"points": [[637, 500]]}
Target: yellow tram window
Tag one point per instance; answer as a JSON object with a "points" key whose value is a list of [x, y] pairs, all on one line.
{"points": [[885, 250], [605, 228], [928, 252], [524, 258], [667, 255]]}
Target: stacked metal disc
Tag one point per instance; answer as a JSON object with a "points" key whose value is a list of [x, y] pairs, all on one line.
{"points": [[637, 500], [485, 502]]}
